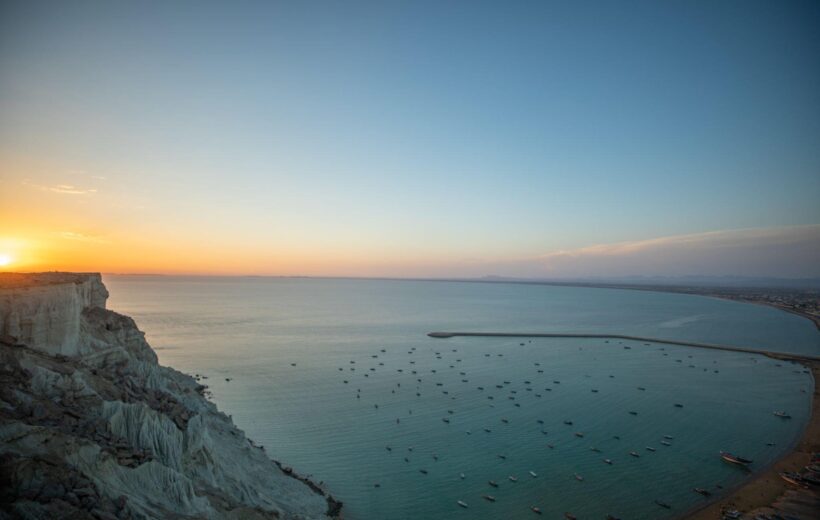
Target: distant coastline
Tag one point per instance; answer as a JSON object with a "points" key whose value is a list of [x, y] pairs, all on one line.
{"points": [[785, 295]]}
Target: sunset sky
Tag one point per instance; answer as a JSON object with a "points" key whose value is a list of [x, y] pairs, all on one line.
{"points": [[533, 139]]}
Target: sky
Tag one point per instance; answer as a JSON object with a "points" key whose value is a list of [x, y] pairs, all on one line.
{"points": [[533, 139]]}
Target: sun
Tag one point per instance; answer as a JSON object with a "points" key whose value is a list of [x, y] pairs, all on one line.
{"points": [[4, 260]]}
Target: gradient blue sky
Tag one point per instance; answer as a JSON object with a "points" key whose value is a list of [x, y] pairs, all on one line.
{"points": [[412, 138]]}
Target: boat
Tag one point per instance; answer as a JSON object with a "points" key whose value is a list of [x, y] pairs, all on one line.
{"points": [[634, 454], [502, 457], [666, 443], [734, 459], [493, 483], [550, 446], [663, 504], [650, 448], [533, 474], [446, 420], [505, 421], [570, 516], [631, 412], [568, 423], [669, 437], [579, 478], [535, 510], [579, 434], [462, 504], [782, 414], [512, 479], [811, 478], [488, 498], [702, 491], [423, 471], [678, 405], [792, 478], [596, 450], [608, 461], [461, 475]]}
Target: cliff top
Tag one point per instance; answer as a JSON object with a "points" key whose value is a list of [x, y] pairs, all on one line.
{"points": [[24, 280]]}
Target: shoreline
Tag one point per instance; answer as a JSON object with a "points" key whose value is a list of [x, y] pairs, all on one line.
{"points": [[764, 492]]}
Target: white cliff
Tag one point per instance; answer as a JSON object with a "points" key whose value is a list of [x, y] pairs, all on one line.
{"points": [[91, 426]]}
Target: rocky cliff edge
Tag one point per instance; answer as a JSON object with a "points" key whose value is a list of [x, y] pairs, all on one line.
{"points": [[91, 426]]}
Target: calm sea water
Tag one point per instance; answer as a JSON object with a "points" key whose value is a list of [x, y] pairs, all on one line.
{"points": [[329, 374]]}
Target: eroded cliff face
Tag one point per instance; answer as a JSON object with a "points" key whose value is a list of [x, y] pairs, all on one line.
{"points": [[91, 426]]}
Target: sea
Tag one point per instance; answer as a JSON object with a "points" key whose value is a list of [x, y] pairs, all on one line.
{"points": [[338, 379]]}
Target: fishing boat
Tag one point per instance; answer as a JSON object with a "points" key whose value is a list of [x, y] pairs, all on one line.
{"points": [[634, 454], [493, 483], [512, 479], [734, 459], [535, 510], [781, 413], [666, 443], [488, 498], [579, 434], [568, 423], [608, 461], [579, 478], [461, 475], [669, 437], [423, 471], [792, 478], [570, 516], [701, 491], [462, 504], [534, 475], [650, 448], [663, 504]]}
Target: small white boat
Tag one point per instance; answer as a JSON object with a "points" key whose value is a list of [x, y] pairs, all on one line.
{"points": [[533, 474], [462, 504], [462, 475], [579, 478], [512, 479]]}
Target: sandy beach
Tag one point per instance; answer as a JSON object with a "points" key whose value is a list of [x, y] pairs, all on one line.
{"points": [[767, 493]]}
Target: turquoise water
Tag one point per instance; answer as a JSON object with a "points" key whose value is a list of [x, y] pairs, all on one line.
{"points": [[253, 331]]}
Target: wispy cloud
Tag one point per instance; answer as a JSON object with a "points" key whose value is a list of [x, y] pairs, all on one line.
{"points": [[782, 251], [65, 189], [71, 235]]}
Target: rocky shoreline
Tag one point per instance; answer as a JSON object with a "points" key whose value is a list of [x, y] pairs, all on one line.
{"points": [[91, 426]]}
